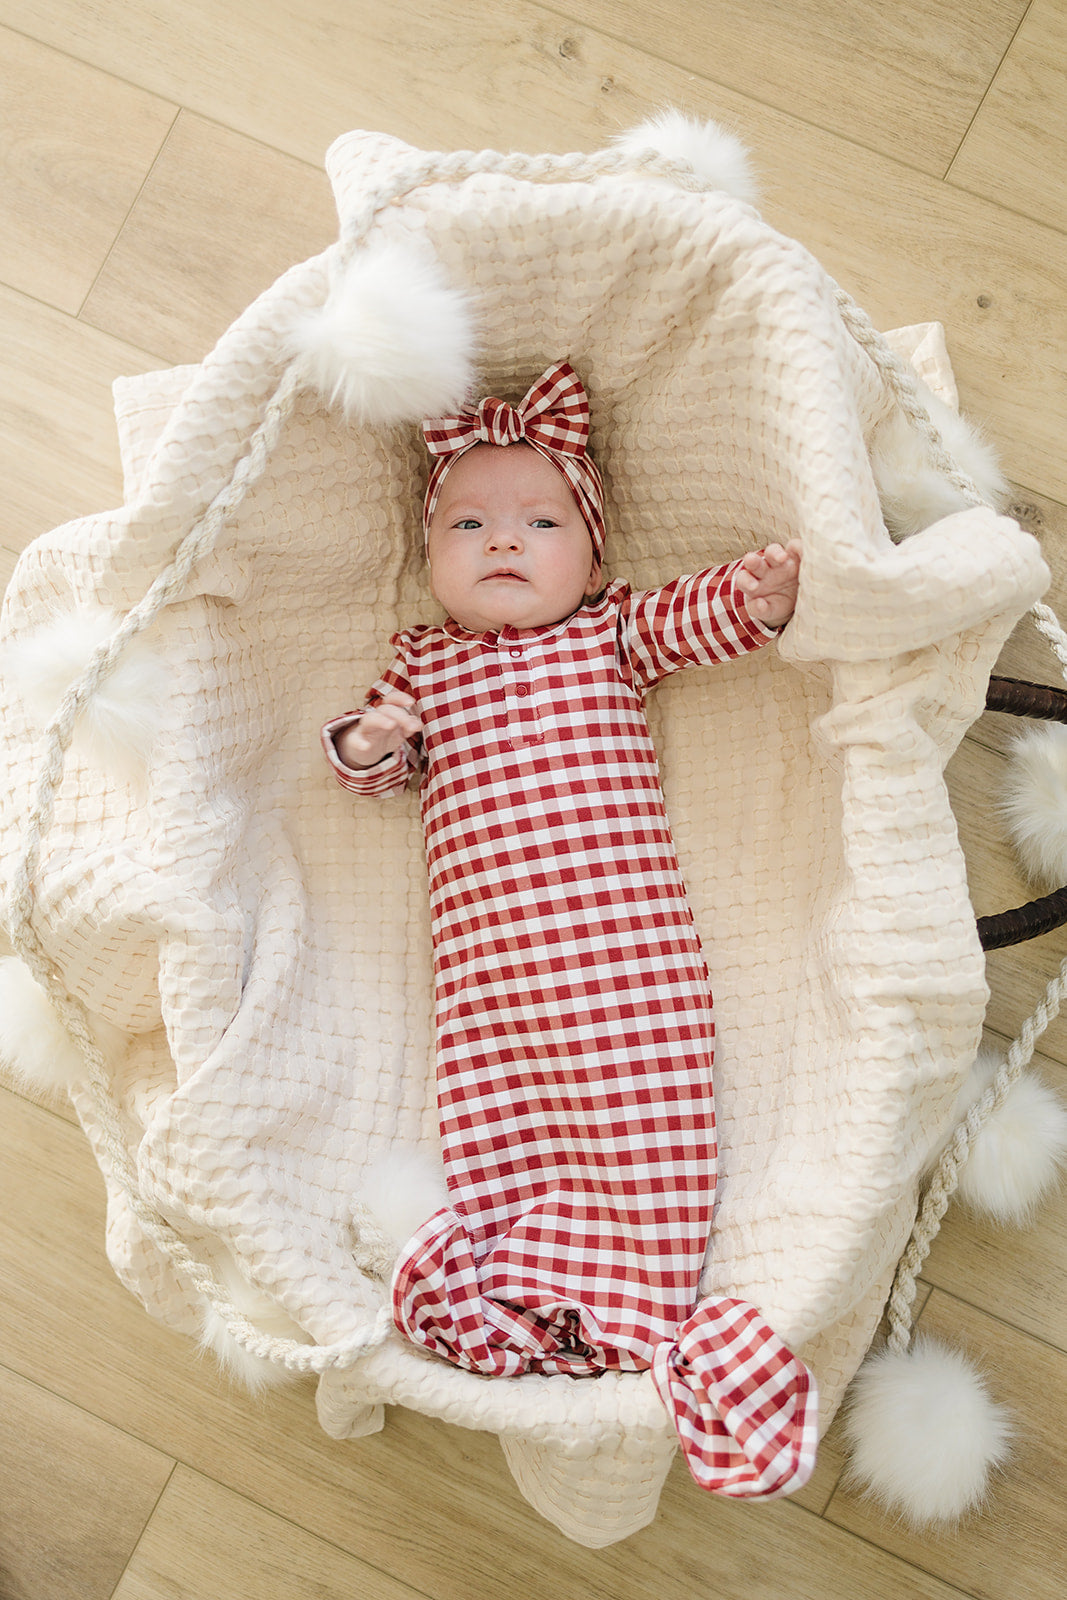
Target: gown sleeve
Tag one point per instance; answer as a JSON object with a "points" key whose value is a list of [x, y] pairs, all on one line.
{"points": [[694, 621], [393, 772]]}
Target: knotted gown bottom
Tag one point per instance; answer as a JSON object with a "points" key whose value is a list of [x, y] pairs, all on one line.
{"points": [[575, 1029], [574, 1243]]}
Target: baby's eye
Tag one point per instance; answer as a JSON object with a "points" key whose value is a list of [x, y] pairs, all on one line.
{"points": [[543, 522], [468, 522]]}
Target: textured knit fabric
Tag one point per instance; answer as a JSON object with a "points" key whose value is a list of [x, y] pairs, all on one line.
{"points": [[552, 417], [574, 1026]]}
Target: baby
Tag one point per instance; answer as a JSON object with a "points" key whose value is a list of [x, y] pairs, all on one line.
{"points": [[573, 1009]]}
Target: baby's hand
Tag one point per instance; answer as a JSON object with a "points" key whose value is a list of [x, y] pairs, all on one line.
{"points": [[768, 579], [378, 732]]}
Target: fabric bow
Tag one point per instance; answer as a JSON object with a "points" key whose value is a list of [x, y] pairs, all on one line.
{"points": [[552, 417]]}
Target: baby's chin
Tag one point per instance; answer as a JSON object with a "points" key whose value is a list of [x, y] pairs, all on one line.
{"points": [[510, 603], [491, 619]]}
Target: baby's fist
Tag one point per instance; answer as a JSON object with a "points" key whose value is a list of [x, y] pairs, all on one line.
{"points": [[769, 580], [378, 732]]}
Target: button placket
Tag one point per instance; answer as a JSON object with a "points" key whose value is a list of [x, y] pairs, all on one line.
{"points": [[523, 723]]}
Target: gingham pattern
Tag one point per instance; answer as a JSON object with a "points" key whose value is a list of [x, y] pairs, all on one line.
{"points": [[745, 1408], [553, 417], [574, 1018]]}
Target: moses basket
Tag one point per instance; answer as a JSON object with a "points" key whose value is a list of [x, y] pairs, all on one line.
{"points": [[241, 951]]}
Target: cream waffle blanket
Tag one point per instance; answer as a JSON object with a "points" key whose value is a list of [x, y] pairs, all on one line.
{"points": [[254, 955]]}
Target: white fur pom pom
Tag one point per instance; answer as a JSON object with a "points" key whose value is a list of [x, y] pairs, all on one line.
{"points": [[252, 1372], [1035, 803], [923, 1432], [401, 1189], [1015, 1158], [116, 728], [714, 154], [36, 1051], [35, 1048], [914, 493], [393, 343]]}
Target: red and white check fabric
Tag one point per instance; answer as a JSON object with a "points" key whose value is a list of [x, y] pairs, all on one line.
{"points": [[574, 1026], [553, 417], [744, 1407]]}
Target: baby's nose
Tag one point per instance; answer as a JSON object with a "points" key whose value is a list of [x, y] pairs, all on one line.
{"points": [[505, 537]]}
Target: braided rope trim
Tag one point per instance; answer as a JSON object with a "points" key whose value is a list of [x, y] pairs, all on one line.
{"points": [[169, 586], [945, 1178], [457, 165], [903, 384]]}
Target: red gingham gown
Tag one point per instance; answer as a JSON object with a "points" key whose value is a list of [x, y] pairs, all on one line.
{"points": [[574, 1027]]}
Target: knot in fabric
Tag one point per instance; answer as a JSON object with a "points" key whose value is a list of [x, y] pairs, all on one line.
{"points": [[499, 423]]}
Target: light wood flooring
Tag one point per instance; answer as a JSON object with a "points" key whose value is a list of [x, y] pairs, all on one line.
{"points": [[160, 164]]}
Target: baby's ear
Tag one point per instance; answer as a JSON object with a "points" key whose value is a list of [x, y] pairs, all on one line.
{"points": [[594, 577]]}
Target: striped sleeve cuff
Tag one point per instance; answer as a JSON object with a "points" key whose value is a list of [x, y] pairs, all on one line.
{"points": [[391, 772]]}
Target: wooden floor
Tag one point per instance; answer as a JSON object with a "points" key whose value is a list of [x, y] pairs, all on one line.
{"points": [[161, 164]]}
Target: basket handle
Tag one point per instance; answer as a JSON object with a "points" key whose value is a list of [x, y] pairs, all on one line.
{"points": [[1023, 699]]}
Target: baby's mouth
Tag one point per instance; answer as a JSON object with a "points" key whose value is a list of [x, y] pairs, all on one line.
{"points": [[504, 572]]}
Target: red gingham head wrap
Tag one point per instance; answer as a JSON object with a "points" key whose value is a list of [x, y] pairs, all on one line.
{"points": [[553, 417]]}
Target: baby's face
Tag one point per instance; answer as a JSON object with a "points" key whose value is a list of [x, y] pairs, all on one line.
{"points": [[507, 544]]}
